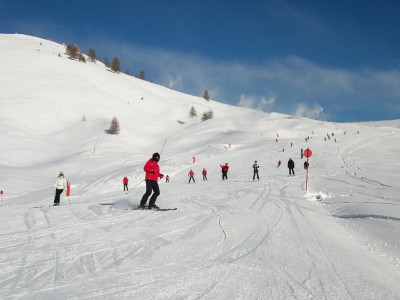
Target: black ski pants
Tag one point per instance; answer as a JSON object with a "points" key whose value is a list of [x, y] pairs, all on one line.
{"points": [[255, 174], [151, 186], [57, 196], [224, 175]]}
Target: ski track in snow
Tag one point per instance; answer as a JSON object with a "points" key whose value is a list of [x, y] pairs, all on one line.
{"points": [[265, 208]]}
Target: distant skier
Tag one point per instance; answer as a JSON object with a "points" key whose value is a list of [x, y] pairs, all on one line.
{"points": [[279, 164], [167, 178], [204, 173], [59, 186], [290, 165], [301, 154], [306, 164], [152, 170], [125, 182], [255, 171], [191, 176], [225, 169]]}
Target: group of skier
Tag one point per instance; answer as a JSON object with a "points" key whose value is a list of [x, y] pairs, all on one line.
{"points": [[224, 169], [153, 174], [191, 175]]}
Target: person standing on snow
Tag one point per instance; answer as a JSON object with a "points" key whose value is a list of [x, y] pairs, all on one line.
{"points": [[152, 170], [279, 163], [191, 174], [204, 173], [125, 182], [225, 169], [306, 164], [59, 186], [255, 169], [290, 165], [167, 178]]}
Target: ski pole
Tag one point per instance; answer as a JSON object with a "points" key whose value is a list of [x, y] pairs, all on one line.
{"points": [[162, 149], [135, 186]]}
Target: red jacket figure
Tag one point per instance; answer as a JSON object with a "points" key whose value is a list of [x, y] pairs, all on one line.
{"points": [[204, 172], [152, 170], [152, 174], [125, 182], [225, 169], [191, 174]]}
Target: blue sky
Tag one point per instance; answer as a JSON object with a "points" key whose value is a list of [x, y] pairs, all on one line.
{"points": [[331, 60]]}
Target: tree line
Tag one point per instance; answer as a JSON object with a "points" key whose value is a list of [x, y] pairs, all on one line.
{"points": [[75, 53]]}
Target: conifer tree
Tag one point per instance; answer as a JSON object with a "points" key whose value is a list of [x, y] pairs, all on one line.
{"points": [[73, 51], [206, 95], [207, 115], [114, 126], [116, 65], [192, 112], [81, 58], [92, 55]]}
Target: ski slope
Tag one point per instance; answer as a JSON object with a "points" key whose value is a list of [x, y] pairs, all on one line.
{"points": [[232, 239]]}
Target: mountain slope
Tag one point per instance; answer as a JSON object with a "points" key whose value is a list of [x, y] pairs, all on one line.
{"points": [[233, 239]]}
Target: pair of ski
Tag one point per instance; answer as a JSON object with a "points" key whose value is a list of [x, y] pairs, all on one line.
{"points": [[50, 205], [156, 209], [145, 208]]}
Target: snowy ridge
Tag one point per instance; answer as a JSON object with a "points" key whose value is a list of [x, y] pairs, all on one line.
{"points": [[234, 239]]}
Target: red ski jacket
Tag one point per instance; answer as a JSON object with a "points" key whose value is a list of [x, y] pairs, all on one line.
{"points": [[152, 170], [125, 180], [224, 168]]}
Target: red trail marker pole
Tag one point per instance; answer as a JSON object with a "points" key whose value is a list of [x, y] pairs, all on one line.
{"points": [[307, 153]]}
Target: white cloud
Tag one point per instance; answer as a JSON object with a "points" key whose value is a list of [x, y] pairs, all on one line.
{"points": [[311, 111], [299, 85], [256, 103]]}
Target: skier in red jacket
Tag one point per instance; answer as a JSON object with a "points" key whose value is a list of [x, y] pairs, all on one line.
{"points": [[225, 169], [191, 176], [152, 170], [125, 182], [204, 172]]}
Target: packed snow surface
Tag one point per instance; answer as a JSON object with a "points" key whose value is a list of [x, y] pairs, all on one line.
{"points": [[231, 239]]}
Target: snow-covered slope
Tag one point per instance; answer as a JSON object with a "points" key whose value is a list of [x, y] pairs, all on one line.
{"points": [[234, 239]]}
